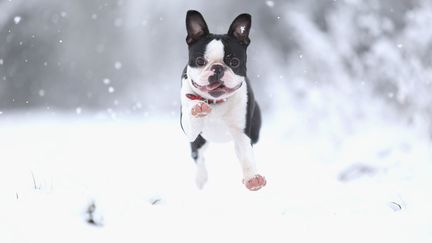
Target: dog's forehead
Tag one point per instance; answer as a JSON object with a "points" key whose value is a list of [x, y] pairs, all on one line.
{"points": [[216, 47], [215, 50]]}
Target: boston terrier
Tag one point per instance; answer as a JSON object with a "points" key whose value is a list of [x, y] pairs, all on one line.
{"points": [[217, 102]]}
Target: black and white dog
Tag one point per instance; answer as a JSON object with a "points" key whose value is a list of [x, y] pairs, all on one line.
{"points": [[218, 104]]}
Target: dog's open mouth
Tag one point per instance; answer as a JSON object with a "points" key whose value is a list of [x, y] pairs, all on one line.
{"points": [[216, 89], [214, 86]]}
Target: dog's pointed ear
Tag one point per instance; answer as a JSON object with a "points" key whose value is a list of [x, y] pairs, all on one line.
{"points": [[196, 26], [240, 28]]}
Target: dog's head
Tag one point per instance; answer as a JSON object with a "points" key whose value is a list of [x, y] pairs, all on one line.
{"points": [[217, 63]]}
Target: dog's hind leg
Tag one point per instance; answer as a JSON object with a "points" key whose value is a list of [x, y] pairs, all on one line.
{"points": [[197, 148]]}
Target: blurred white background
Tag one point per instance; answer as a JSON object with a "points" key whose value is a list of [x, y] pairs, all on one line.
{"points": [[113, 55]]}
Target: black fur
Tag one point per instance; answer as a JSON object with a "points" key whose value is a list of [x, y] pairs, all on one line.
{"points": [[232, 47], [253, 116], [196, 145], [196, 26], [184, 76]]}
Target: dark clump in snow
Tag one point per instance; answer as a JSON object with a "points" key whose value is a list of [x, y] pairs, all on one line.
{"points": [[92, 217], [395, 206], [355, 172], [156, 201]]}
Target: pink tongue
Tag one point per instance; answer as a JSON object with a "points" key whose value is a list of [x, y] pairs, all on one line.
{"points": [[213, 86]]}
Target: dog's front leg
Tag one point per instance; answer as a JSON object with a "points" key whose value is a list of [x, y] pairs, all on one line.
{"points": [[193, 114], [252, 180]]}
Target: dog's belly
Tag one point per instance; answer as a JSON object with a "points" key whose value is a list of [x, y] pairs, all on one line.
{"points": [[216, 131]]}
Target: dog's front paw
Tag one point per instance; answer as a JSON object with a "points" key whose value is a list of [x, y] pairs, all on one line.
{"points": [[255, 183], [201, 109]]}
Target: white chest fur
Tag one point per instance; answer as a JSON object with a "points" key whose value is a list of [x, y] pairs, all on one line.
{"points": [[224, 118]]}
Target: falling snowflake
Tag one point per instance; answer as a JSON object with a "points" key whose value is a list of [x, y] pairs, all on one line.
{"points": [[106, 81], [1, 62], [270, 4], [118, 65], [111, 89], [78, 110], [17, 19], [41, 93]]}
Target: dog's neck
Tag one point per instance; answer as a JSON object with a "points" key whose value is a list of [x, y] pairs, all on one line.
{"points": [[208, 101]]}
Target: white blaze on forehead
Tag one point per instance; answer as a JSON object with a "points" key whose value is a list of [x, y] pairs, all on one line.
{"points": [[215, 50], [242, 29]]}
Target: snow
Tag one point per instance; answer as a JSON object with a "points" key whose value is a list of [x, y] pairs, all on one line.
{"points": [[78, 110], [17, 19], [345, 147], [118, 65], [136, 177], [270, 4], [41, 93]]}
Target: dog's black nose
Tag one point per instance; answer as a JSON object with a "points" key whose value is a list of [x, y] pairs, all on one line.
{"points": [[218, 73]]}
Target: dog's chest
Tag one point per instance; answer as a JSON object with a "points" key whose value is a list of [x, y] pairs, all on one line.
{"points": [[216, 130], [225, 117]]}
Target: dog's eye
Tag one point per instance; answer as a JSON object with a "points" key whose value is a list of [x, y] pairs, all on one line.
{"points": [[200, 61], [234, 62]]}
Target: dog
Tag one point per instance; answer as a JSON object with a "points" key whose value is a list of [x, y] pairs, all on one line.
{"points": [[217, 101]]}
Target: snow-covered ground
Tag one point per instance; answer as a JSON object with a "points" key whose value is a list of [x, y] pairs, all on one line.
{"points": [[368, 184]]}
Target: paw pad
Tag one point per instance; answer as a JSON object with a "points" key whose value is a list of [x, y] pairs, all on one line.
{"points": [[255, 183]]}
